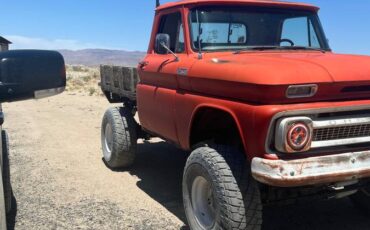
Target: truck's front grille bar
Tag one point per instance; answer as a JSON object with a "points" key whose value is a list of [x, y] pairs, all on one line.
{"points": [[339, 128], [341, 132]]}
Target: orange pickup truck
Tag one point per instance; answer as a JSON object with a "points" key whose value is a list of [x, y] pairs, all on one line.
{"points": [[252, 88]]}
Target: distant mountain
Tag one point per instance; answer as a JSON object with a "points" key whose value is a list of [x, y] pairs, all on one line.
{"points": [[96, 57]]}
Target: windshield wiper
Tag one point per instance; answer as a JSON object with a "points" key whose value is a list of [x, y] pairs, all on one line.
{"points": [[303, 48], [257, 48], [278, 48]]}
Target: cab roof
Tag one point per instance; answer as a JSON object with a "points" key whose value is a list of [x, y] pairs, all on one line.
{"points": [[267, 3]]}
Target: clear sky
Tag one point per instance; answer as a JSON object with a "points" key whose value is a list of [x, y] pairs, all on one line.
{"points": [[126, 24]]}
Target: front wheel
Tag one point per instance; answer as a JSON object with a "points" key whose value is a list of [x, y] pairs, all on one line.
{"points": [[219, 192]]}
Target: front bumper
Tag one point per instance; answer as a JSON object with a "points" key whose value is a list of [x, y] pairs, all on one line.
{"points": [[313, 170]]}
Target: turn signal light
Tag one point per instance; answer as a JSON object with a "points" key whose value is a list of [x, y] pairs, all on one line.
{"points": [[301, 91]]}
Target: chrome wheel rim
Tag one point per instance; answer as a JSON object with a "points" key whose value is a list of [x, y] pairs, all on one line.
{"points": [[108, 142], [203, 202]]}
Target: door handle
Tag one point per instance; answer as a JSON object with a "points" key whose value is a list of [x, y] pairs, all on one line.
{"points": [[143, 64]]}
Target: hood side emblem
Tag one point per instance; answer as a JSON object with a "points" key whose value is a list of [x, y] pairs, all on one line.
{"points": [[182, 71], [219, 61]]}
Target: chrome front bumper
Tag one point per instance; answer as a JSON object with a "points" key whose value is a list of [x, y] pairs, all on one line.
{"points": [[313, 170]]}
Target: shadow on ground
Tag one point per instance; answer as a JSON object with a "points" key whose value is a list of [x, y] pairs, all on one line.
{"points": [[10, 217], [159, 166]]}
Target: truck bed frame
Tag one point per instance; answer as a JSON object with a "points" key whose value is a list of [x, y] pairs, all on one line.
{"points": [[118, 83]]}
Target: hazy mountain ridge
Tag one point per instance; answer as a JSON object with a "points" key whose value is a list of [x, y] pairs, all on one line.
{"points": [[96, 57]]}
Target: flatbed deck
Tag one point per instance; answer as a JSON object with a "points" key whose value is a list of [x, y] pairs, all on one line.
{"points": [[119, 83]]}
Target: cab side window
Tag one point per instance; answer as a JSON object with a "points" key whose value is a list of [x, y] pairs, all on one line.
{"points": [[172, 25], [300, 31]]}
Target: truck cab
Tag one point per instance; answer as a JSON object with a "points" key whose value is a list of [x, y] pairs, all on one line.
{"points": [[254, 91]]}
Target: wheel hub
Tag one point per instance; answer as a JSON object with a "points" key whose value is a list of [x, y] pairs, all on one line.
{"points": [[203, 202], [108, 141]]}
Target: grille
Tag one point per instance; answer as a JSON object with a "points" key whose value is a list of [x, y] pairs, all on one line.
{"points": [[343, 132]]}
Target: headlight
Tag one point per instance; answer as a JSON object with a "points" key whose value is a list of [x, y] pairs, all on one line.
{"points": [[298, 136], [293, 134]]}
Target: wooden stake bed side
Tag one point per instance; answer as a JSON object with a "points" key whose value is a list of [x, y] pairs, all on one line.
{"points": [[119, 83]]}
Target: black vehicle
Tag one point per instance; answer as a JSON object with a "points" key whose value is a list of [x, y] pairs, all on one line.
{"points": [[24, 74]]}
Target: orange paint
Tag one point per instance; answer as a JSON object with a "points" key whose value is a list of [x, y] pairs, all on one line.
{"points": [[250, 86]]}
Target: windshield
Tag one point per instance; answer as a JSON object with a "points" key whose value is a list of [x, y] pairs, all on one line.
{"points": [[222, 28]]}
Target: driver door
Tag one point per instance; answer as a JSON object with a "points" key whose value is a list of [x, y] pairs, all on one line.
{"points": [[158, 82]]}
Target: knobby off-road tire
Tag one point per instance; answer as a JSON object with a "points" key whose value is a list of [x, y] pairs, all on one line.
{"points": [[119, 137], [6, 172], [219, 191], [362, 200]]}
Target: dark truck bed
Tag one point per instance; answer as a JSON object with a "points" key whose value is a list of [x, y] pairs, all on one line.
{"points": [[118, 83]]}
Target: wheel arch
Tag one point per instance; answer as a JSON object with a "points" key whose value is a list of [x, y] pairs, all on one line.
{"points": [[200, 114]]}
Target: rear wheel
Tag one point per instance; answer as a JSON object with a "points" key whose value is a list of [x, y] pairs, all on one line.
{"points": [[6, 172], [219, 192], [362, 200], [119, 137]]}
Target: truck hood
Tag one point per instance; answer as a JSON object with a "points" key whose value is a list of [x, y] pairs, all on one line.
{"points": [[269, 74]]}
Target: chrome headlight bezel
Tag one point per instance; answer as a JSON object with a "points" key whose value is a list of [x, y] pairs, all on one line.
{"points": [[281, 135]]}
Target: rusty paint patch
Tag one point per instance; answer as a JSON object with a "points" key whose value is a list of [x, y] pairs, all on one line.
{"points": [[313, 170]]}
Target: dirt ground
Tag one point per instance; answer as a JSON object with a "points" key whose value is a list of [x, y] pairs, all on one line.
{"points": [[60, 181]]}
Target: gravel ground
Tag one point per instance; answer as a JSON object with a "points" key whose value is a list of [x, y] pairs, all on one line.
{"points": [[60, 181]]}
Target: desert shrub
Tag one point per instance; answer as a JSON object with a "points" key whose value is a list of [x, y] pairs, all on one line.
{"points": [[77, 82], [79, 68], [83, 79], [96, 75], [86, 78], [92, 91]]}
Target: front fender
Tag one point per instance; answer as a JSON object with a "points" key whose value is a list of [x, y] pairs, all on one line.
{"points": [[188, 105]]}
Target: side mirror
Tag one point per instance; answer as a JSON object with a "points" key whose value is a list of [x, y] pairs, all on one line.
{"points": [[162, 43], [28, 74]]}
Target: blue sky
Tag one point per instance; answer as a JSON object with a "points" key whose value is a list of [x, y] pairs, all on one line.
{"points": [[126, 24]]}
